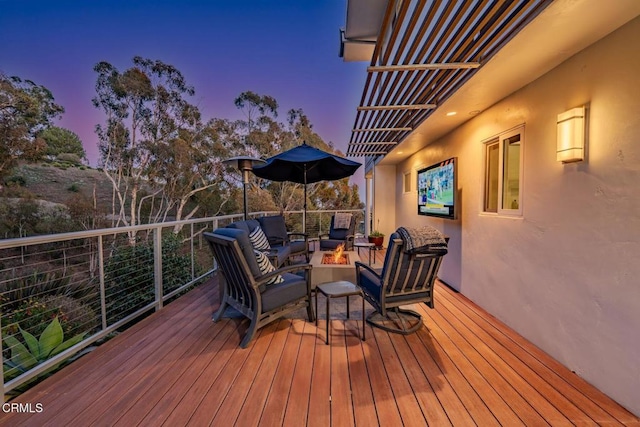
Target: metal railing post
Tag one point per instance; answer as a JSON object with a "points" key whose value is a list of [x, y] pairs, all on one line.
{"points": [[2, 362], [157, 265], [193, 255], [103, 292]]}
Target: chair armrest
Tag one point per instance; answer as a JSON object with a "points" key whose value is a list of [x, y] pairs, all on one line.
{"points": [[323, 236], [359, 265], [273, 256], [304, 235], [295, 267], [276, 241]]}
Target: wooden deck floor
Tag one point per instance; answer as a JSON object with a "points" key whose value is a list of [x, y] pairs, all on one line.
{"points": [[177, 367]]}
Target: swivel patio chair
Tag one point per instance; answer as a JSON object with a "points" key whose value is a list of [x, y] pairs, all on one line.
{"points": [[339, 233], [275, 229], [407, 277], [251, 291]]}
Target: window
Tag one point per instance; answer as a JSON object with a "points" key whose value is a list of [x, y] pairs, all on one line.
{"points": [[503, 173], [406, 182]]}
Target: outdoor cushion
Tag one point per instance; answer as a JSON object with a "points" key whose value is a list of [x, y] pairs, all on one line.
{"points": [[248, 225], [292, 288], [275, 229], [298, 246], [259, 240], [266, 267], [339, 234], [387, 257], [245, 246], [281, 252], [330, 243], [370, 282]]}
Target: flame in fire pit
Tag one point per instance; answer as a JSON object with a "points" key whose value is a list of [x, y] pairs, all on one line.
{"points": [[338, 256]]}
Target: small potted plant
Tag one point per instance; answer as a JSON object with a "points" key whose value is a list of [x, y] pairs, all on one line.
{"points": [[376, 238]]}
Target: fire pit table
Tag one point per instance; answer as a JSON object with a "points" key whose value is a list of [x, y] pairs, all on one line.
{"points": [[322, 273]]}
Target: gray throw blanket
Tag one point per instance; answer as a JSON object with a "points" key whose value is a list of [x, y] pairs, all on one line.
{"points": [[425, 239], [342, 221]]}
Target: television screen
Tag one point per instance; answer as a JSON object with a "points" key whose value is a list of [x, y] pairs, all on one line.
{"points": [[437, 189]]}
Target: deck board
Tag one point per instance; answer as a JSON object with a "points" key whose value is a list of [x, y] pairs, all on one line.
{"points": [[592, 402], [546, 390], [176, 367], [497, 376]]}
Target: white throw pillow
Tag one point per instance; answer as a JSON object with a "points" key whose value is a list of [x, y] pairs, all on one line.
{"points": [[259, 240], [266, 267]]}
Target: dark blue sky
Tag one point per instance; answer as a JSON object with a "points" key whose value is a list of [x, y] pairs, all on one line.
{"points": [[287, 49]]}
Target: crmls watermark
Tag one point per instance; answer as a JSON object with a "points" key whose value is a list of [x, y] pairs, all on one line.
{"points": [[25, 408]]}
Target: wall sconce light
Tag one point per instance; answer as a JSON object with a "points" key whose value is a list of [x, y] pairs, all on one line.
{"points": [[571, 135]]}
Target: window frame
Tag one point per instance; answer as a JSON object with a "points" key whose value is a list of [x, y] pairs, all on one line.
{"points": [[500, 140], [404, 182]]}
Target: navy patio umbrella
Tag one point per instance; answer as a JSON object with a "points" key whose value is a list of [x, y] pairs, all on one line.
{"points": [[305, 164]]}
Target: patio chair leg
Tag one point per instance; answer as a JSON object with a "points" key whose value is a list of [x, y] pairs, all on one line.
{"points": [[251, 330], [218, 314], [310, 312]]}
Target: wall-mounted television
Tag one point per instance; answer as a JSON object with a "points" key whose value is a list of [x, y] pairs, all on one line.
{"points": [[437, 189]]}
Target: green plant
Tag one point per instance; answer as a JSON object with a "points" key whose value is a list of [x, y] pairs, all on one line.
{"points": [[376, 233], [29, 283], [70, 158], [74, 188], [17, 180], [33, 315], [129, 275], [51, 342]]}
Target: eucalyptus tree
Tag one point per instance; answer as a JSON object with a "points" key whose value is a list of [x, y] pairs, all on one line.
{"points": [[153, 145], [190, 165], [264, 137], [26, 108]]}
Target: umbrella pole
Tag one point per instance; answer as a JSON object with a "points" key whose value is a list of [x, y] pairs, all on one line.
{"points": [[304, 213]]}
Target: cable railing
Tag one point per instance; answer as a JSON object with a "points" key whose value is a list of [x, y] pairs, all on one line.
{"points": [[62, 293]]}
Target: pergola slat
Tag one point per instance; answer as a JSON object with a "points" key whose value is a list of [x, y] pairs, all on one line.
{"points": [[424, 53]]}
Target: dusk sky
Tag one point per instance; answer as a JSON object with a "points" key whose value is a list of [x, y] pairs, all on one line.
{"points": [[287, 49]]}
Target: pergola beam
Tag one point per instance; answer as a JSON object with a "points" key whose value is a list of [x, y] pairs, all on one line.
{"points": [[368, 153], [382, 129], [420, 67], [373, 143], [397, 107]]}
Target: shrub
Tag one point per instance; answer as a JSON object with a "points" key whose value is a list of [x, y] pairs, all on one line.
{"points": [[129, 280], [33, 315], [74, 188], [129, 276], [75, 316], [34, 284], [70, 158], [17, 180]]}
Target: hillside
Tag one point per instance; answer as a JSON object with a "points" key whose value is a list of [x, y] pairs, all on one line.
{"points": [[58, 185]]}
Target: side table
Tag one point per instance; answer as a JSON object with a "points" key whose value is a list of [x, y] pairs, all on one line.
{"points": [[338, 289], [370, 246]]}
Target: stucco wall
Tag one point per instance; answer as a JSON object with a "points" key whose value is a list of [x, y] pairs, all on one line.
{"points": [[384, 215], [566, 275]]}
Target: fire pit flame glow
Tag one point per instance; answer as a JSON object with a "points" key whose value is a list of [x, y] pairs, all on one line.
{"points": [[336, 257]]}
